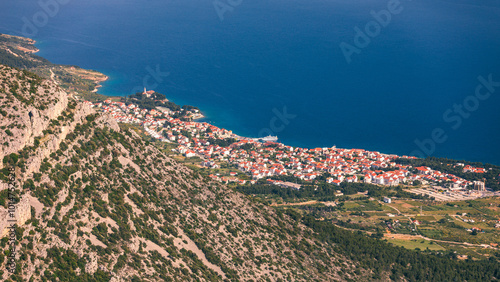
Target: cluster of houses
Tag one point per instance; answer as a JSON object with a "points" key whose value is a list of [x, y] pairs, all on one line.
{"points": [[126, 114], [264, 160], [469, 168], [428, 175]]}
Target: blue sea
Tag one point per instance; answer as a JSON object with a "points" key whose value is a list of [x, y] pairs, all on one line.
{"points": [[281, 67]]}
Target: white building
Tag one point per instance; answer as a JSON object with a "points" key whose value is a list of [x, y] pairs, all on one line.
{"points": [[479, 186]]}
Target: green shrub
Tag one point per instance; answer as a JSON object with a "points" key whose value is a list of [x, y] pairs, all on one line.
{"points": [[11, 159]]}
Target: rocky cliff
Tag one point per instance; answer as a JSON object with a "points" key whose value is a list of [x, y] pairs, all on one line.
{"points": [[42, 102], [28, 104]]}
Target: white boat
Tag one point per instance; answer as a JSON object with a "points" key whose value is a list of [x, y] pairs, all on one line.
{"points": [[270, 138]]}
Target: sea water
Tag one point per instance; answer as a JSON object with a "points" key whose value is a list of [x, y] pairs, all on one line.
{"points": [[278, 67]]}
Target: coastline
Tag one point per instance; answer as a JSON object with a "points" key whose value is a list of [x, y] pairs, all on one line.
{"points": [[264, 158], [99, 86], [184, 126], [28, 42], [96, 88]]}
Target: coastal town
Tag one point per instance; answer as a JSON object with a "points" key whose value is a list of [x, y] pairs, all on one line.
{"points": [[266, 159]]}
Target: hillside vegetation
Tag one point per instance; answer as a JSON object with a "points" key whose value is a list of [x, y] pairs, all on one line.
{"points": [[107, 204]]}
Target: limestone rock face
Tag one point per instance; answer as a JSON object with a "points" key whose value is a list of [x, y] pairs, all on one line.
{"points": [[26, 111], [22, 213], [38, 120], [108, 121], [28, 107], [51, 143], [91, 266], [4, 215]]}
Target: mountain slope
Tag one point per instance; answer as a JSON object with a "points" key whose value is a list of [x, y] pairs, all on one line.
{"points": [[106, 204]]}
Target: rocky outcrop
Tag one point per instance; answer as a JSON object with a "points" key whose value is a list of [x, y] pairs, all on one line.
{"points": [[23, 211], [107, 121], [16, 214], [4, 215], [50, 143], [27, 114], [91, 265]]}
